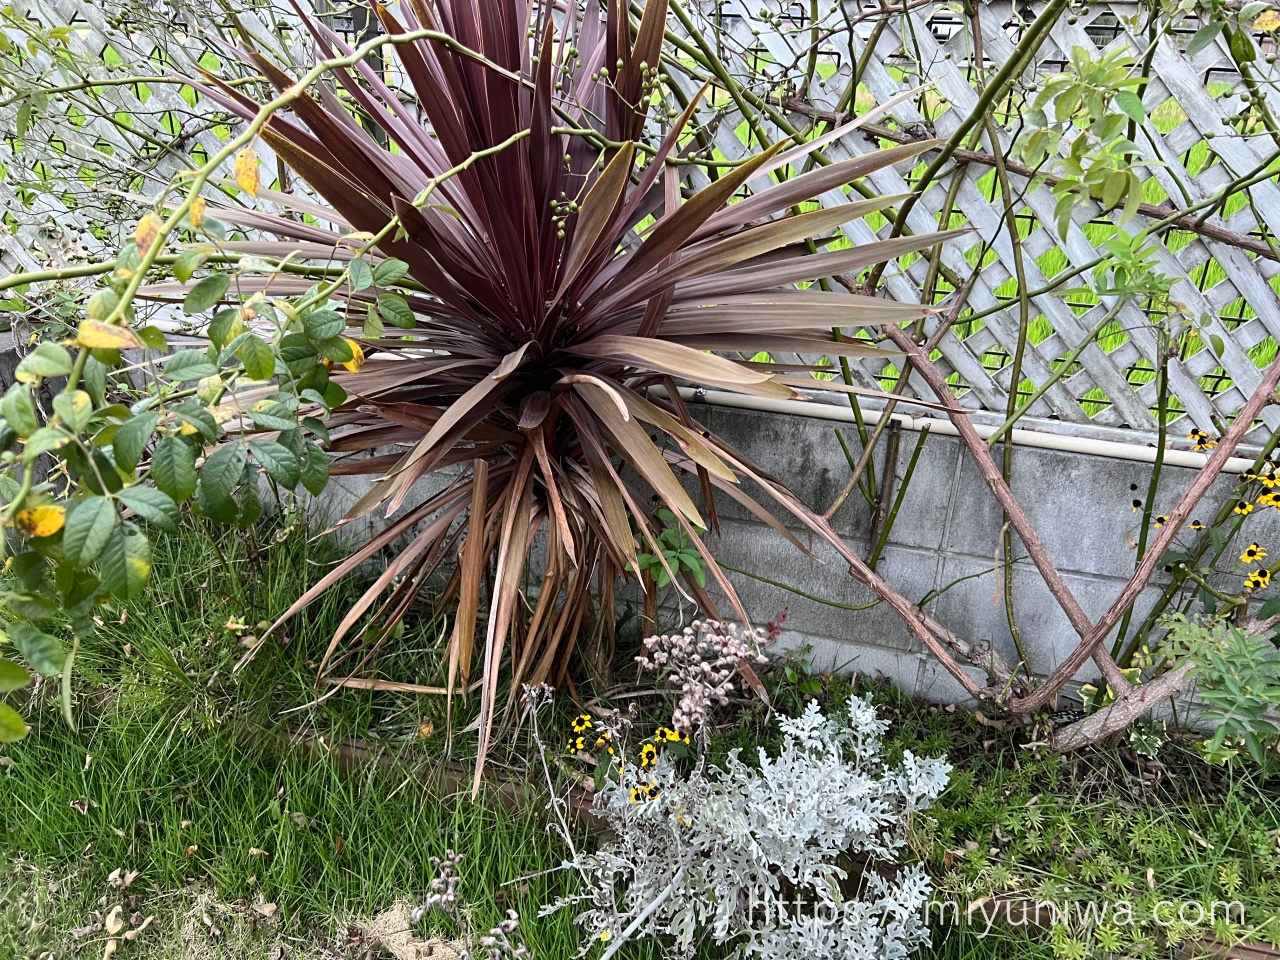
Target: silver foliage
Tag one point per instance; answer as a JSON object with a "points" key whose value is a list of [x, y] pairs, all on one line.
{"points": [[755, 855]]}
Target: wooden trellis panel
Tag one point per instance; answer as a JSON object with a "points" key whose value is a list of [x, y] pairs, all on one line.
{"points": [[929, 47]]}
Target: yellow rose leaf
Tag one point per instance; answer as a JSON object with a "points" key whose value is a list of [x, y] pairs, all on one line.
{"points": [[196, 214], [357, 358], [1269, 20], [147, 231], [246, 170], [42, 521], [97, 335]]}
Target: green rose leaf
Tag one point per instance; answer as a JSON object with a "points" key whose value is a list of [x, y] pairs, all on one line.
{"points": [[131, 440], [189, 365], [45, 440], [360, 273], [315, 469], [396, 312], [154, 506], [221, 472], [20, 410], [259, 360], [173, 466], [43, 653], [12, 676], [126, 562], [389, 271], [12, 726], [87, 530], [46, 360], [279, 463], [206, 293], [75, 407], [325, 324], [188, 262]]}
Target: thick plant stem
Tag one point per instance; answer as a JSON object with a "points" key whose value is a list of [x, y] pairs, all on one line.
{"points": [[1263, 395], [1124, 711], [1162, 426], [986, 465]]}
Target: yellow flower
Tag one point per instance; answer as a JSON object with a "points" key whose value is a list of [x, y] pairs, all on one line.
{"points": [[1243, 507], [1201, 439], [637, 795], [357, 356], [1196, 525], [1253, 553], [1270, 499], [582, 722], [1161, 521], [606, 935], [577, 744], [1258, 579], [648, 755]]}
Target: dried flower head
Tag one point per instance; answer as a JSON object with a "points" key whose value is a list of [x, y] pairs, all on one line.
{"points": [[702, 661]]}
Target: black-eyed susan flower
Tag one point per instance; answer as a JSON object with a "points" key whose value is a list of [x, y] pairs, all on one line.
{"points": [[648, 755], [1270, 499], [1243, 507], [666, 735], [1269, 480], [1137, 505], [1253, 553], [1201, 440], [577, 744], [653, 791], [637, 794], [582, 723], [1258, 579], [1196, 525], [605, 740], [1161, 521]]}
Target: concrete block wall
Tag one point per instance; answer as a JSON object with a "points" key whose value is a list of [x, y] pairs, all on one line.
{"points": [[946, 538], [945, 541]]}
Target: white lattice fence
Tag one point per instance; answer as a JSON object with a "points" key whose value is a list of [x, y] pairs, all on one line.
{"points": [[1218, 272], [933, 46]]}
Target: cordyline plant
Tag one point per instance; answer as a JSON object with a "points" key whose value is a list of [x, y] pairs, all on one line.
{"points": [[564, 275], [550, 265]]}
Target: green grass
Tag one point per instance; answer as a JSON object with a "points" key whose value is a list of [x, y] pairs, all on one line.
{"points": [[181, 770], [186, 778]]}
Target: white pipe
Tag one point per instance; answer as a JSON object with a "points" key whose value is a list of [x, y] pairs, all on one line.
{"points": [[1027, 438]]}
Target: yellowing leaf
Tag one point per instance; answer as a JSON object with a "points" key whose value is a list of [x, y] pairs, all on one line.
{"points": [[147, 231], [97, 335], [1269, 20], [188, 428], [246, 170], [196, 214], [210, 389], [42, 521], [357, 356]]}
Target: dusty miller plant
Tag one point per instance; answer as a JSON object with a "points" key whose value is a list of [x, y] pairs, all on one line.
{"points": [[755, 855]]}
